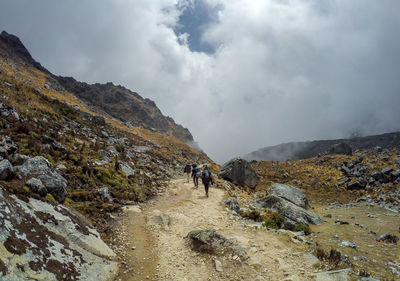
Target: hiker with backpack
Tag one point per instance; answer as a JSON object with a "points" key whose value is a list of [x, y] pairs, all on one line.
{"points": [[206, 178], [196, 173], [187, 171]]}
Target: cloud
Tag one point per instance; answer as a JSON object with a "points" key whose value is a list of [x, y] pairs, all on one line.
{"points": [[282, 70]]}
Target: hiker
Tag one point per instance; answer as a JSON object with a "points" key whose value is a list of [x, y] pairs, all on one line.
{"points": [[196, 173], [206, 178], [187, 171]]}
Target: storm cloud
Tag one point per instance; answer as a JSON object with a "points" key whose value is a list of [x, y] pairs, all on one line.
{"points": [[239, 74]]}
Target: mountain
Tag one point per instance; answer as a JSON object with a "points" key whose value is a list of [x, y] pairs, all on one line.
{"points": [[302, 150], [117, 101]]}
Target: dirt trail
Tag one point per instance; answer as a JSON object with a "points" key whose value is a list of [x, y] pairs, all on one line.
{"points": [[162, 253]]}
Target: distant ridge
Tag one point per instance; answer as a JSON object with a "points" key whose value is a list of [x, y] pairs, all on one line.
{"points": [[303, 150], [117, 101]]}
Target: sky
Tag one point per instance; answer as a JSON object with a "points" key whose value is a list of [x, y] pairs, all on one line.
{"points": [[240, 75]]}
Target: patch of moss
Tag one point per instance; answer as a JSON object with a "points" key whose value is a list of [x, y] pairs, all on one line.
{"points": [[50, 198], [302, 227]]}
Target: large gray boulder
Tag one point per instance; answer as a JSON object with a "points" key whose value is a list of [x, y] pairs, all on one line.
{"points": [[41, 241], [239, 171], [341, 148], [292, 213], [40, 168], [211, 242], [290, 193]]}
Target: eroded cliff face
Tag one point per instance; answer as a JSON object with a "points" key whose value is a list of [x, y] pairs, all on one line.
{"points": [[44, 241]]}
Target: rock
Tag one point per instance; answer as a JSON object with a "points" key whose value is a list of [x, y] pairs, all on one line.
{"points": [[341, 222], [346, 243], [218, 265], [359, 184], [395, 174], [387, 170], [128, 171], [98, 120], [50, 242], [211, 242], [36, 185], [61, 167], [388, 237], [290, 193], [239, 171], [160, 220], [142, 149], [113, 150], [328, 216], [54, 144], [39, 167], [19, 159], [105, 194], [341, 148], [5, 169], [333, 275], [232, 204], [292, 213]]}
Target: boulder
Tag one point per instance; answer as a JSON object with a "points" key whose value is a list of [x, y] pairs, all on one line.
{"points": [[5, 169], [341, 148], [40, 168], [160, 220], [292, 213], [239, 171], [211, 242], [41, 241], [289, 193], [36, 185], [104, 194], [388, 238], [232, 204], [128, 171]]}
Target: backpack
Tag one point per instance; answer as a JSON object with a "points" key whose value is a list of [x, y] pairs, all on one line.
{"points": [[206, 176], [198, 172]]}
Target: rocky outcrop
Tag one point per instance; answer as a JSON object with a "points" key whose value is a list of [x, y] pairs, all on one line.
{"points": [[41, 241], [211, 242], [290, 203], [238, 171], [40, 168]]}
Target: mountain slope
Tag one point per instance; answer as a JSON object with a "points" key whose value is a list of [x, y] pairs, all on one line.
{"points": [[302, 150], [117, 101]]}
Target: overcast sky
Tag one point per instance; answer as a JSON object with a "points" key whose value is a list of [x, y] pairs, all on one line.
{"points": [[239, 74]]}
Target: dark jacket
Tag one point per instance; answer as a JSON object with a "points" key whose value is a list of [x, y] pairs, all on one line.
{"points": [[206, 176], [187, 169]]}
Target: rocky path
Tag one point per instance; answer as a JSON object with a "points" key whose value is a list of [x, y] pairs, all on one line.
{"points": [[151, 252]]}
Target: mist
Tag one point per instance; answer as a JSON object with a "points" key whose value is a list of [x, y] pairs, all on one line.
{"points": [[258, 73]]}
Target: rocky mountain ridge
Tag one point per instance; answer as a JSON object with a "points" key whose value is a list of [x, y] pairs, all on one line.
{"points": [[117, 101], [308, 149]]}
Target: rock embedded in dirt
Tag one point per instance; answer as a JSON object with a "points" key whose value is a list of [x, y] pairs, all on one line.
{"points": [[162, 220], [5, 169], [333, 275], [388, 238], [39, 167], [239, 171], [104, 194], [126, 168], [290, 193], [346, 243], [218, 265], [211, 242], [232, 204]]}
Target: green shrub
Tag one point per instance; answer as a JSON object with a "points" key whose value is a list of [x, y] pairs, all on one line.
{"points": [[302, 227]]}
